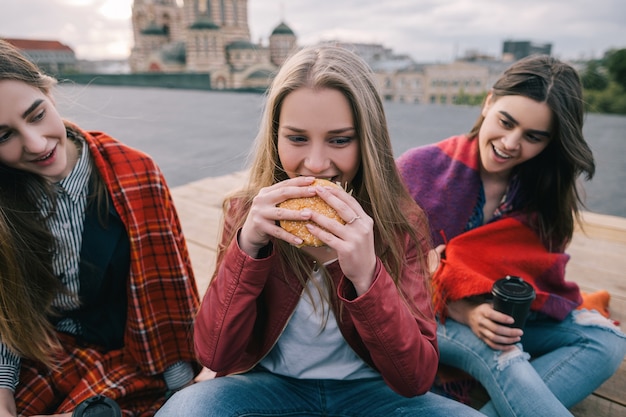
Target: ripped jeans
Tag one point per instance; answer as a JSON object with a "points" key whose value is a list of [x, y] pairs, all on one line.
{"points": [[570, 360]]}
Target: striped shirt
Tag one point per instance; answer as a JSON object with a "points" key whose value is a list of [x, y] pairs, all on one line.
{"points": [[66, 224]]}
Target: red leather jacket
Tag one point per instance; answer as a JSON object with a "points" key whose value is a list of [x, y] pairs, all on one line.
{"points": [[250, 301]]}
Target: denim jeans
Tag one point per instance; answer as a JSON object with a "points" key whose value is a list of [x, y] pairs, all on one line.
{"points": [[570, 359], [260, 393]]}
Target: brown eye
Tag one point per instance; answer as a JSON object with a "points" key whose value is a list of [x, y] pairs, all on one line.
{"points": [[5, 136], [506, 123], [533, 138], [341, 141], [296, 138], [37, 117]]}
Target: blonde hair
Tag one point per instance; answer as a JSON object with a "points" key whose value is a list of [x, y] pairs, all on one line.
{"points": [[377, 185]]}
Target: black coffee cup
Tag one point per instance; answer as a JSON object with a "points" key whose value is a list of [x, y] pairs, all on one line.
{"points": [[513, 297]]}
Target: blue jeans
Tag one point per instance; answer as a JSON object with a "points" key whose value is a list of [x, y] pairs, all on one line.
{"points": [[260, 393], [570, 359]]}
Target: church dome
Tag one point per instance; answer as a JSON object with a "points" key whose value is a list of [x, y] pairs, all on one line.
{"points": [[204, 22], [153, 29], [261, 74], [282, 29], [241, 44]]}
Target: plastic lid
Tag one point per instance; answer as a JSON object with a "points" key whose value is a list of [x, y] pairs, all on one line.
{"points": [[513, 288]]}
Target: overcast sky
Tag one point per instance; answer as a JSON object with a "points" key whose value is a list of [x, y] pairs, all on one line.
{"points": [[427, 30]]}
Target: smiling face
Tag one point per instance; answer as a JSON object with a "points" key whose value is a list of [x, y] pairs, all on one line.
{"points": [[515, 129], [32, 134], [316, 135]]}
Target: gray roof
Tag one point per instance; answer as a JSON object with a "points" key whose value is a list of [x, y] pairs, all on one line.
{"points": [[241, 44], [204, 22], [261, 74], [282, 29], [153, 29]]}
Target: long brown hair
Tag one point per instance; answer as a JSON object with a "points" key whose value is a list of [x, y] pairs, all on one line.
{"points": [[548, 181], [27, 282], [377, 185]]}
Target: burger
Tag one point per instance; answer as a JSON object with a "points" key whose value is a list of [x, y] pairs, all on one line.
{"points": [[316, 204]]}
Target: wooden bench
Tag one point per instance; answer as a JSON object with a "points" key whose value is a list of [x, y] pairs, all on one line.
{"points": [[598, 261]]}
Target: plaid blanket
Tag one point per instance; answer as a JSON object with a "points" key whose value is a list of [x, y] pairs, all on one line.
{"points": [[162, 300]]}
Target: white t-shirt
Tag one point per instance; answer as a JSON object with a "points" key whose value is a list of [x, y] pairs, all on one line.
{"points": [[305, 350]]}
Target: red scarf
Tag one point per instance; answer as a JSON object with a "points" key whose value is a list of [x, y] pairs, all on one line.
{"points": [[475, 259]]}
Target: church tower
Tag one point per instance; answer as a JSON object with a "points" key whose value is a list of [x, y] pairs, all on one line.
{"points": [[156, 23], [231, 16], [206, 37], [282, 44]]}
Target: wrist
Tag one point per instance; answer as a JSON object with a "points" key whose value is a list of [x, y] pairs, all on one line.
{"points": [[7, 403], [252, 250]]}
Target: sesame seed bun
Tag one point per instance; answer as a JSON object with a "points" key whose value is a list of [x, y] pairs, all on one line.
{"points": [[315, 203]]}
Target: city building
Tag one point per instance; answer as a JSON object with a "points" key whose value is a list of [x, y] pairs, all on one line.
{"points": [[204, 36], [52, 57], [516, 50], [212, 37], [377, 56], [434, 83], [448, 83], [401, 79]]}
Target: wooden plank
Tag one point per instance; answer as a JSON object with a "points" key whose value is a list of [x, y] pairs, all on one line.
{"points": [[203, 264], [210, 191], [594, 406], [603, 226], [201, 224], [614, 389], [199, 207]]}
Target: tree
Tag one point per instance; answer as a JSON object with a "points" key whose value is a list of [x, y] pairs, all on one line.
{"points": [[616, 65], [592, 78], [611, 100]]}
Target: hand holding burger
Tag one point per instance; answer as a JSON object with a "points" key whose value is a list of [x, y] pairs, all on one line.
{"points": [[315, 203]]}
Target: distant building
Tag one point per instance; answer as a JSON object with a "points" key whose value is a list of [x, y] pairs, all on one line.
{"points": [[403, 80], [104, 66], [434, 83], [400, 79], [206, 36], [52, 57], [378, 57], [516, 50]]}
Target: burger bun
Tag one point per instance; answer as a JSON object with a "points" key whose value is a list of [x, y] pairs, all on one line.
{"points": [[316, 204]]}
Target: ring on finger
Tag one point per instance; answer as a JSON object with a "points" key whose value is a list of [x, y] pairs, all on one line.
{"points": [[355, 218]]}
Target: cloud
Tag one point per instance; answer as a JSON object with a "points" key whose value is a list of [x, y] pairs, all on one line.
{"points": [[428, 30], [437, 30], [115, 9], [93, 28]]}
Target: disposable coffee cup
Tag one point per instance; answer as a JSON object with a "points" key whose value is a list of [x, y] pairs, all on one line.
{"points": [[513, 297]]}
